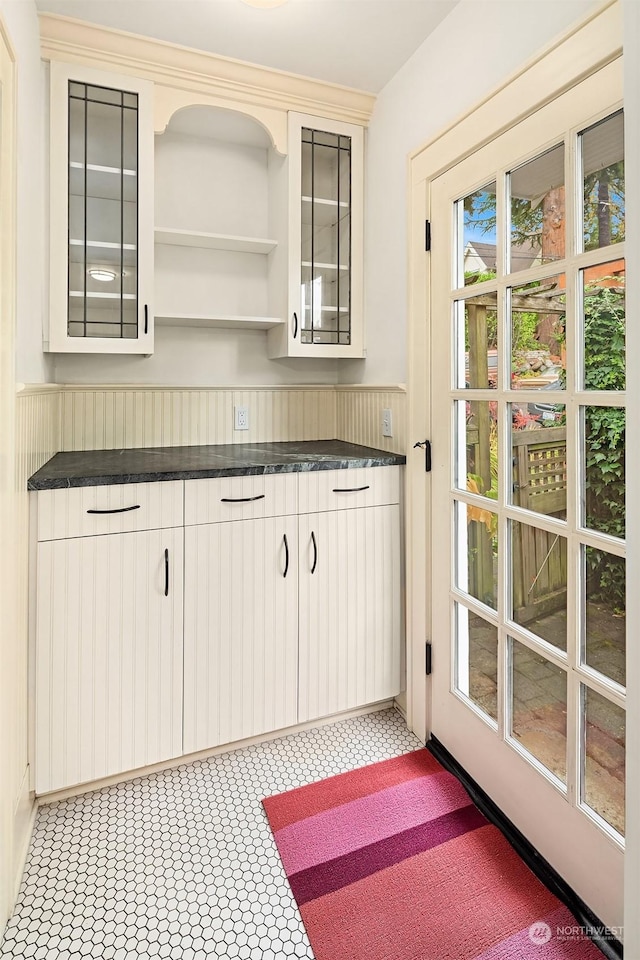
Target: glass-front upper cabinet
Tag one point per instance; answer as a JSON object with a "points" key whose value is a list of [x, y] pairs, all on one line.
{"points": [[101, 180], [324, 316]]}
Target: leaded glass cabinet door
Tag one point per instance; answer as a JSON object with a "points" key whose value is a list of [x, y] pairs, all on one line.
{"points": [[325, 169], [101, 177], [528, 407]]}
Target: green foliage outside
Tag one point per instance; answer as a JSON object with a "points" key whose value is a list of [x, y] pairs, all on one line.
{"points": [[605, 440], [604, 360]]}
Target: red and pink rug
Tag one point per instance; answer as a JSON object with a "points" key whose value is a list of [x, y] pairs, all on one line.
{"points": [[394, 862]]}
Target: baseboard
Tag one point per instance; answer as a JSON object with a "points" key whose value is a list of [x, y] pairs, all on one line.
{"points": [[24, 817], [585, 917], [78, 789], [400, 704]]}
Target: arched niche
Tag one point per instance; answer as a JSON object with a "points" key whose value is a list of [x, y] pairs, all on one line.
{"points": [[220, 118]]}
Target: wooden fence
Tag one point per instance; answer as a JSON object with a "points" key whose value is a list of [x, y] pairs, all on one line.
{"points": [[539, 558]]}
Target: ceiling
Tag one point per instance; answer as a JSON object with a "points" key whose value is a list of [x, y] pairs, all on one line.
{"points": [[357, 43]]}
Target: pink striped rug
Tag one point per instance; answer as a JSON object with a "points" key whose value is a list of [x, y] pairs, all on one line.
{"points": [[394, 862]]}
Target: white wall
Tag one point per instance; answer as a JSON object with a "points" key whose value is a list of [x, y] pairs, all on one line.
{"points": [[471, 52], [20, 18], [196, 357]]}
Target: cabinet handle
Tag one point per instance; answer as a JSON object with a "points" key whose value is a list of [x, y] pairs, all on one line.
{"points": [[286, 555], [349, 489], [166, 573], [146, 318], [241, 499], [295, 324], [315, 552], [117, 509]]}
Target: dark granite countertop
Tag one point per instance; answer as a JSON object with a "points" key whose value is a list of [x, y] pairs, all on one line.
{"points": [[91, 468]]}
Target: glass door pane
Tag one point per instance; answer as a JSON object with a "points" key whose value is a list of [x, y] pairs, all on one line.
{"points": [[326, 238], [538, 565], [103, 212]]}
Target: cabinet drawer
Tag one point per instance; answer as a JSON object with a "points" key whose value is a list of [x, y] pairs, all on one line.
{"points": [[240, 498], [322, 490], [118, 508]]}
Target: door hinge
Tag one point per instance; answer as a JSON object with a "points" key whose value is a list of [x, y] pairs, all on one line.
{"points": [[427, 661], [427, 235]]}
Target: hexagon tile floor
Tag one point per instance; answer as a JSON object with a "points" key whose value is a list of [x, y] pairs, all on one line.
{"points": [[182, 864]]}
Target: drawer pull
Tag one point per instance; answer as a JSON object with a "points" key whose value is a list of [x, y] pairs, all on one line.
{"points": [[315, 552], [166, 573], [350, 489], [241, 499], [286, 556], [117, 509]]}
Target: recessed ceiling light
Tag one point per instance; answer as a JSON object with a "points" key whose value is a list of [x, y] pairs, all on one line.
{"points": [[265, 4], [101, 273]]}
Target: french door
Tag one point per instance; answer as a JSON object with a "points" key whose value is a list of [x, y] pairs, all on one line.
{"points": [[528, 509]]}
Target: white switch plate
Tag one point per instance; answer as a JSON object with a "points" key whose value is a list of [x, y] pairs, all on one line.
{"points": [[387, 422], [240, 418]]}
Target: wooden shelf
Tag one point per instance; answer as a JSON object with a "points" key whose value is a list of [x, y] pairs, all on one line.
{"points": [[223, 321], [325, 213], [214, 241], [325, 266]]}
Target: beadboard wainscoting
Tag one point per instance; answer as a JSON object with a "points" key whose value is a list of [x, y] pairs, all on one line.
{"points": [[102, 418], [110, 417], [37, 438], [359, 416]]}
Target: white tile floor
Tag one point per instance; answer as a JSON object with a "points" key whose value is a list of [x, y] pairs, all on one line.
{"points": [[182, 864]]}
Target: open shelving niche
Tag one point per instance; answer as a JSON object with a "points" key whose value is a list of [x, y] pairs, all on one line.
{"points": [[213, 170]]}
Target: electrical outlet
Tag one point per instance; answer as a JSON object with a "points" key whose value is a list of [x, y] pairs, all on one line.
{"points": [[387, 422], [240, 418]]}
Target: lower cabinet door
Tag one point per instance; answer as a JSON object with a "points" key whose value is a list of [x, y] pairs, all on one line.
{"points": [[109, 655], [241, 630], [350, 609]]}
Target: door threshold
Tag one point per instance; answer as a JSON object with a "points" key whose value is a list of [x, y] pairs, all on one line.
{"points": [[585, 917]]}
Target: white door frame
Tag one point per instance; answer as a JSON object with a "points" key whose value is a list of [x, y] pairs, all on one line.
{"points": [[583, 50], [9, 633], [631, 11], [564, 63]]}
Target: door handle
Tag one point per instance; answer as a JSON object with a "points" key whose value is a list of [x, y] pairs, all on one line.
{"points": [[117, 509], [349, 489], [166, 573], [426, 446], [295, 324], [315, 552], [286, 555]]}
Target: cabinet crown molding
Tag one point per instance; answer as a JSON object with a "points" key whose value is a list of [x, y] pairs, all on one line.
{"points": [[199, 72]]}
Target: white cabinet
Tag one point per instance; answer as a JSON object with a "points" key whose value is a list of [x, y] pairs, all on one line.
{"points": [[101, 212], [108, 655], [324, 292], [173, 617], [213, 231], [240, 630], [250, 239], [350, 613], [241, 608]]}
